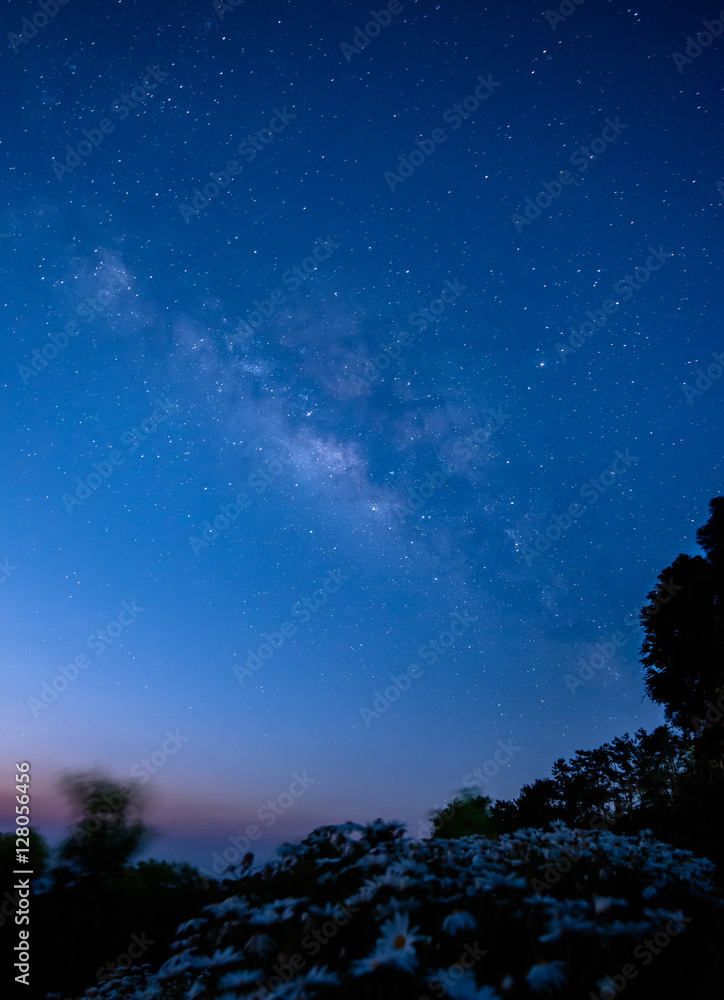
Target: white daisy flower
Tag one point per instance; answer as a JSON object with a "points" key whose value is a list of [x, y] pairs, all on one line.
{"points": [[372, 860], [463, 989], [603, 903], [190, 925], [321, 975], [231, 905], [661, 916], [363, 966], [496, 880], [397, 943], [392, 906], [396, 946], [560, 925], [546, 976], [607, 984], [269, 914], [333, 910], [297, 988], [225, 957], [179, 963], [459, 920], [241, 978], [151, 992], [631, 928], [258, 944], [567, 907]]}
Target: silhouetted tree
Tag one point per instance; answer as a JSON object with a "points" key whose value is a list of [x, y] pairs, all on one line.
{"points": [[538, 804], [683, 647], [630, 776], [662, 757], [505, 816], [466, 815], [109, 830]]}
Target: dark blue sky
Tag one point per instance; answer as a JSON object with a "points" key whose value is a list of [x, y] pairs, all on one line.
{"points": [[438, 285]]}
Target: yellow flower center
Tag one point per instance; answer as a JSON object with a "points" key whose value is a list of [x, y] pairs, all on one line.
{"points": [[399, 941]]}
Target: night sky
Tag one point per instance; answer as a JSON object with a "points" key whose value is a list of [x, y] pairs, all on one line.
{"points": [[340, 349]]}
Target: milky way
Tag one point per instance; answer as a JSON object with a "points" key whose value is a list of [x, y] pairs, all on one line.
{"points": [[293, 290]]}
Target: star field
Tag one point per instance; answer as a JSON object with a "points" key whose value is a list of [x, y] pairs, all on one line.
{"points": [[320, 338]]}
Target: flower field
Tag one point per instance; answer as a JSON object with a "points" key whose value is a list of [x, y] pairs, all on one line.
{"points": [[365, 912]]}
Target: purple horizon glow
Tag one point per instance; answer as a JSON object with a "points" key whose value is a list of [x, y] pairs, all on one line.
{"points": [[404, 415]]}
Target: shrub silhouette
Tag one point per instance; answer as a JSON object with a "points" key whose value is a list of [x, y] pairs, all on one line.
{"points": [[109, 830]]}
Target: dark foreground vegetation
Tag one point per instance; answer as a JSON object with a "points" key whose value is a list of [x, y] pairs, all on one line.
{"points": [[606, 876]]}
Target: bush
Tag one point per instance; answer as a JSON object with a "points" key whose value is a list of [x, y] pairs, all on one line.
{"points": [[363, 911]]}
